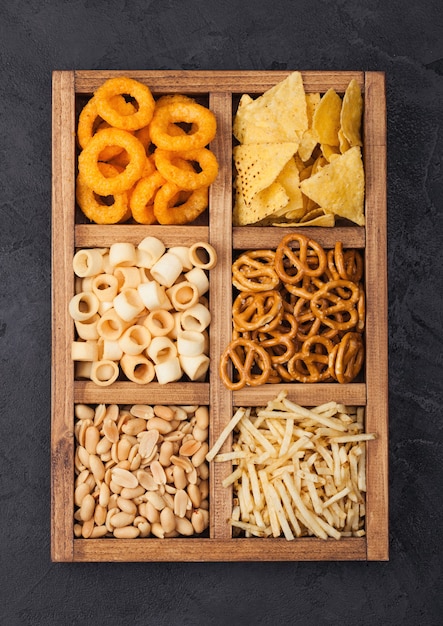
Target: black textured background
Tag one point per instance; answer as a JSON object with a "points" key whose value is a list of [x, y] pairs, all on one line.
{"points": [[401, 38]]}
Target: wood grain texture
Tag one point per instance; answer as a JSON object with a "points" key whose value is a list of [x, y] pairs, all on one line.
{"points": [[221, 90]]}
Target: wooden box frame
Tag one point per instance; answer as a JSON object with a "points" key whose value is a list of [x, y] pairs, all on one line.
{"points": [[220, 87]]}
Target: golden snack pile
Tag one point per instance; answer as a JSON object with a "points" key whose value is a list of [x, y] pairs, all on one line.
{"points": [[298, 160], [298, 317], [143, 158]]}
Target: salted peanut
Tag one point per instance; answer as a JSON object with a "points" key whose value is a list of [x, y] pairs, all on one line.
{"points": [[148, 442], [121, 519], [110, 430], [97, 468], [190, 447], [180, 503], [156, 500], [98, 531], [183, 462], [157, 530], [83, 456], [184, 526], [194, 494], [124, 478], [87, 528], [135, 462], [80, 492], [158, 473], [198, 521], [115, 487], [127, 532], [92, 437], [127, 506], [132, 493], [123, 448], [180, 478], [200, 434], [170, 489], [146, 480], [134, 426], [104, 495], [124, 464], [167, 519], [112, 412], [103, 446], [113, 501], [204, 489], [165, 412], [87, 507], [144, 411], [78, 530], [110, 514], [100, 515], [166, 451], [204, 504], [144, 528], [202, 417], [81, 478], [83, 412], [159, 424], [193, 476], [175, 436], [169, 499], [200, 455], [185, 428], [151, 513]]}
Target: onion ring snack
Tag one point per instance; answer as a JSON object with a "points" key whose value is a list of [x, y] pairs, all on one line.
{"points": [[183, 178], [88, 162], [175, 111], [125, 86]]}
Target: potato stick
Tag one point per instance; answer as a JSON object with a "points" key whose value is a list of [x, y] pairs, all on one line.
{"points": [[340, 494], [247, 498], [326, 421], [252, 528], [337, 467], [255, 486], [225, 433], [276, 502], [352, 438], [311, 518], [323, 471], [259, 519], [235, 475], [230, 456], [309, 477], [316, 502], [247, 424], [332, 532], [275, 525], [330, 408], [287, 437], [361, 482], [281, 470], [288, 507], [327, 432], [300, 443]]}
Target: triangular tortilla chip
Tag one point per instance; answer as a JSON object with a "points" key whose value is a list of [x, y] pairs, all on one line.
{"points": [[264, 204], [326, 119], [258, 165], [351, 114], [278, 115], [339, 187]]}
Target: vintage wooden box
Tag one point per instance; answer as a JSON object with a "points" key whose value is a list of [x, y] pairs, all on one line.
{"points": [[221, 89]]}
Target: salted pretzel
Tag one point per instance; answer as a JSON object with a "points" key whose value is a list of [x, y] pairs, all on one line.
{"points": [[343, 303], [254, 271], [292, 265], [347, 264], [311, 364], [281, 341], [346, 358], [251, 364], [257, 310]]}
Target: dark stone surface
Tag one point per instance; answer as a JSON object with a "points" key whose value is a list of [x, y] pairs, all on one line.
{"points": [[404, 41]]}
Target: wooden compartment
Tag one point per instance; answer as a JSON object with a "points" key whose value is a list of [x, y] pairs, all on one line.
{"points": [[220, 89]]}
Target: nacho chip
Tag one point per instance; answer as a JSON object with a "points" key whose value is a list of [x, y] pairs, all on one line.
{"points": [[279, 115], [326, 120], [258, 165], [351, 114], [264, 204], [338, 187]]}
